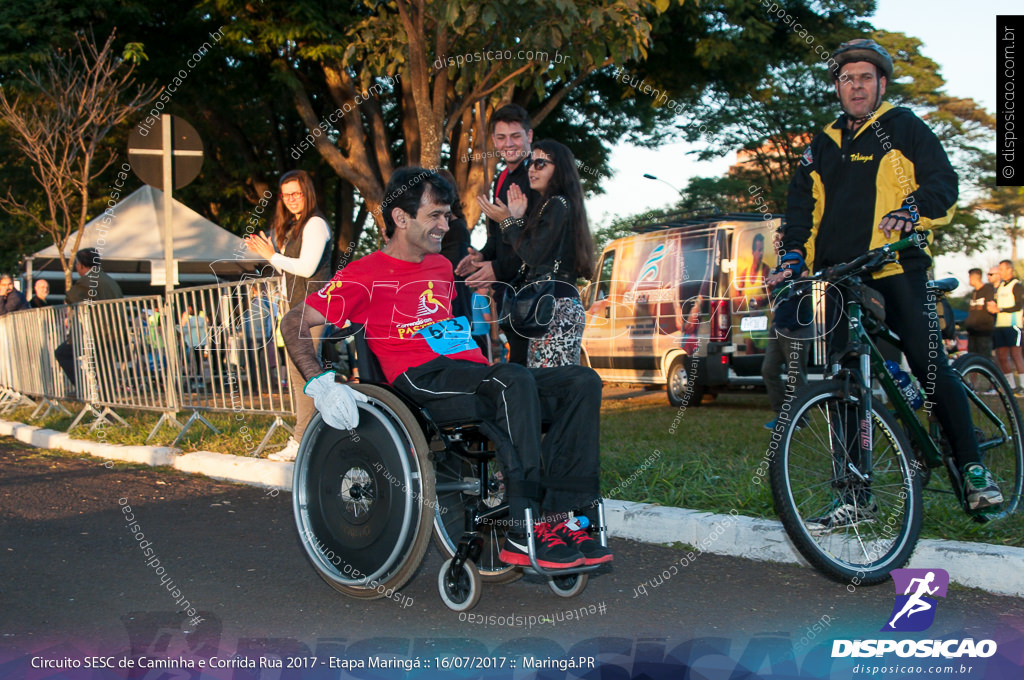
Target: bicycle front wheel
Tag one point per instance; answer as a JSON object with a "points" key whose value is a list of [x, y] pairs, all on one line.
{"points": [[852, 521], [997, 425]]}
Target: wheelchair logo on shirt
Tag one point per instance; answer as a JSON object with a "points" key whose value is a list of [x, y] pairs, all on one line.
{"points": [[428, 296]]}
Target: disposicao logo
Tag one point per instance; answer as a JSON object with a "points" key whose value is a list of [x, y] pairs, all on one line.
{"points": [[914, 609]]}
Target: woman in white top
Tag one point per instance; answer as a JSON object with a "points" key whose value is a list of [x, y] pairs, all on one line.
{"points": [[301, 249]]}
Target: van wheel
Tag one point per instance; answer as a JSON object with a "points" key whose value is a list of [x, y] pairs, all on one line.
{"points": [[680, 391]]}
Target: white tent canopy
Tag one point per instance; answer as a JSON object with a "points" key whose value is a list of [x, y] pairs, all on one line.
{"points": [[135, 231]]}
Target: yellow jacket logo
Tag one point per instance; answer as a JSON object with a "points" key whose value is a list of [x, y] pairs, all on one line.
{"points": [[861, 158]]}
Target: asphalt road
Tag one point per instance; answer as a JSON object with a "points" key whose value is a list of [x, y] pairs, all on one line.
{"points": [[74, 578]]}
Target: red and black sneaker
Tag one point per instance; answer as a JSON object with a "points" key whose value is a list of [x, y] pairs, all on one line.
{"points": [[552, 551], [592, 550]]}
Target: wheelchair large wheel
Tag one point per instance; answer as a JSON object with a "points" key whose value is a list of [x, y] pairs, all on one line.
{"points": [[358, 497], [456, 484]]}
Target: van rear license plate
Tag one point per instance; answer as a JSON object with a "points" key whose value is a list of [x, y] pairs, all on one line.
{"points": [[754, 323]]}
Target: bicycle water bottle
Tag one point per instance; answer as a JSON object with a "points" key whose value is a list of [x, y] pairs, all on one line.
{"points": [[577, 523], [906, 384]]}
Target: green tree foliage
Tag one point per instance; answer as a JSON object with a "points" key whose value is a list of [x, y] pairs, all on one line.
{"points": [[284, 67], [999, 210], [58, 116], [770, 124], [408, 82]]}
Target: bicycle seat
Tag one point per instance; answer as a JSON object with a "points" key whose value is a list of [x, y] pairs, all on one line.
{"points": [[947, 285]]}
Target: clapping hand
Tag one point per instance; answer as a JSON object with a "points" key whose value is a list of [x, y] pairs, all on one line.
{"points": [[496, 211], [517, 201], [261, 245]]}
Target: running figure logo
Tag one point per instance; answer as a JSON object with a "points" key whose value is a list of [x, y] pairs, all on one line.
{"points": [[914, 610]]}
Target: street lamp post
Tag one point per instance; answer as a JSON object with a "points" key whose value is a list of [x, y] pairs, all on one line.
{"points": [[647, 175]]}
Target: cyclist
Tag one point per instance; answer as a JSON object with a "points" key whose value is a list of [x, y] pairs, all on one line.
{"points": [[870, 176]]}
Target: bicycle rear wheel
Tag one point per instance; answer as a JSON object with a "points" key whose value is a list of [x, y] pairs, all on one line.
{"points": [[997, 425], [853, 527]]}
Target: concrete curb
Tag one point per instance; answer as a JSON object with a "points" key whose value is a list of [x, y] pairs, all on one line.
{"points": [[993, 568], [253, 471]]}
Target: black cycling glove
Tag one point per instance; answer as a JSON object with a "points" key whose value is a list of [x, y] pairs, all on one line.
{"points": [[904, 223]]}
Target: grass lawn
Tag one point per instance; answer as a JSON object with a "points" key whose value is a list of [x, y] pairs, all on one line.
{"points": [[709, 462], [240, 433], [702, 458]]}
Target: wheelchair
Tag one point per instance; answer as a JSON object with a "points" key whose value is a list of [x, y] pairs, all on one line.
{"points": [[367, 501]]}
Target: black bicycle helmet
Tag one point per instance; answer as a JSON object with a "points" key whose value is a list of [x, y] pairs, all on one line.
{"points": [[862, 49]]}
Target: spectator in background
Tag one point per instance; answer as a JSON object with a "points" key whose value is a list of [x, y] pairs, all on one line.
{"points": [[980, 322], [193, 329], [1006, 338], [455, 247], [93, 285], [40, 289], [259, 323], [482, 328], [301, 248], [553, 239], [789, 341], [512, 135], [11, 300]]}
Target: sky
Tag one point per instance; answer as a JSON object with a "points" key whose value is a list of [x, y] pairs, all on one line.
{"points": [[959, 36]]}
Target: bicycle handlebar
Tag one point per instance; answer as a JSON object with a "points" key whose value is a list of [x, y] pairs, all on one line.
{"points": [[872, 260]]}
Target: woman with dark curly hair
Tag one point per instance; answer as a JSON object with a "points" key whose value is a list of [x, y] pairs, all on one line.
{"points": [[553, 240]]}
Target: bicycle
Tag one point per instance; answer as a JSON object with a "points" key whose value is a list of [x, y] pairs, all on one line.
{"points": [[841, 445]]}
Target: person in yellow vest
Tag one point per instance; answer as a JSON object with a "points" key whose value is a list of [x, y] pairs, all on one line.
{"points": [[1006, 339]]}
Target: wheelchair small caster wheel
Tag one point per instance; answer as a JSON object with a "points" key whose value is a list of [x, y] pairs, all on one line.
{"points": [[461, 592], [569, 585]]}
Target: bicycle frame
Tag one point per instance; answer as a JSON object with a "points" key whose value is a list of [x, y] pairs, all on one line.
{"points": [[872, 364]]}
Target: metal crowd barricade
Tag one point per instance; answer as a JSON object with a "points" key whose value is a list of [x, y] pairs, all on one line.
{"points": [[11, 394], [226, 356], [120, 358], [229, 354], [28, 368]]}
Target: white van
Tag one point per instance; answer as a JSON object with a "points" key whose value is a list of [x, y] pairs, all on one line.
{"points": [[683, 304]]}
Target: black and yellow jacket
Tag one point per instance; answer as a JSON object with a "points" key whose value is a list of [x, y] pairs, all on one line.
{"points": [[847, 181]]}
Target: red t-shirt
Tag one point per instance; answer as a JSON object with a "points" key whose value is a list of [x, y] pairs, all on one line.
{"points": [[405, 307]]}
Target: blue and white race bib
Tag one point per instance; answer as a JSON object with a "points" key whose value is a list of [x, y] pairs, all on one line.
{"points": [[450, 336]]}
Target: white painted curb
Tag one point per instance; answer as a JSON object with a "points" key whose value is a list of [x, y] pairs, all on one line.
{"points": [[994, 568], [254, 471]]}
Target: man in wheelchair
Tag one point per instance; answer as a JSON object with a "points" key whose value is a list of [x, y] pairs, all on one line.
{"points": [[402, 295]]}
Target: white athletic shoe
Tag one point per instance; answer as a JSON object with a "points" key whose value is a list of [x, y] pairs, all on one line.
{"points": [[287, 454]]}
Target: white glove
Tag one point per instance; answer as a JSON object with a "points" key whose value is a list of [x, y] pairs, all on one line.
{"points": [[336, 403]]}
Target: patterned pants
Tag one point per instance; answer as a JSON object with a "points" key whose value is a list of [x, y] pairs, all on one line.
{"points": [[561, 345]]}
